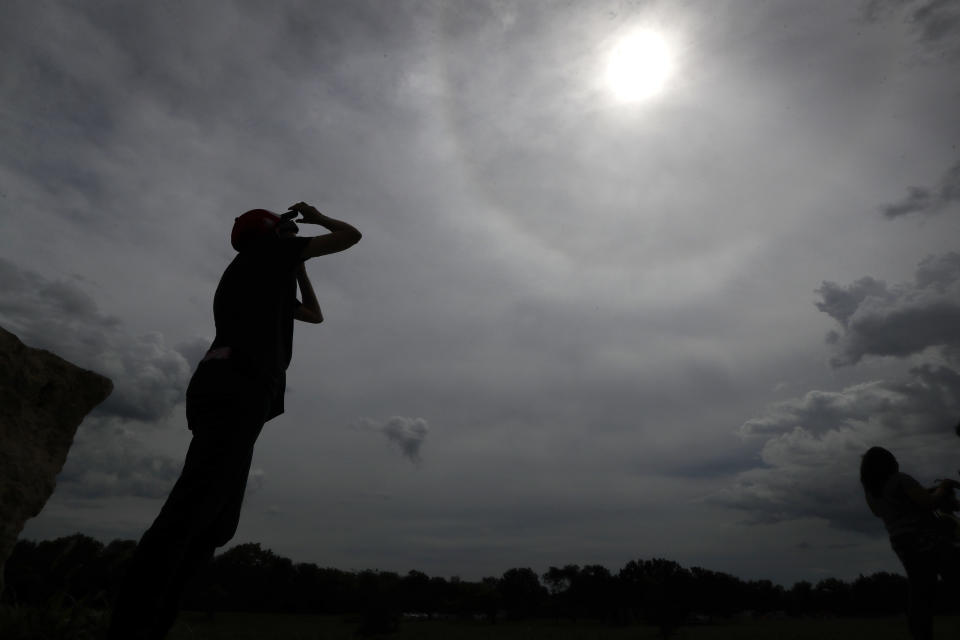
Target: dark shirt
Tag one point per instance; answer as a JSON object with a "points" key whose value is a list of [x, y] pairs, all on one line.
{"points": [[253, 311]]}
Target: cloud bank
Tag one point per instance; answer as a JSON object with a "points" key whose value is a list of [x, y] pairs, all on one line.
{"points": [[810, 446], [107, 460], [149, 377], [928, 200], [899, 320]]}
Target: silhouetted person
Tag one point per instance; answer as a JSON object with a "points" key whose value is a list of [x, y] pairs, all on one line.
{"points": [[924, 545], [237, 387]]}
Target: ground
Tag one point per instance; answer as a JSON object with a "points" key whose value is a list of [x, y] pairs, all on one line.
{"points": [[195, 626]]}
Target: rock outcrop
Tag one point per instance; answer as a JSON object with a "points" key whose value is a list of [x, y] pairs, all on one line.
{"points": [[43, 399]]}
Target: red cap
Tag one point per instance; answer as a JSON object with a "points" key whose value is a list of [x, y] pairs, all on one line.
{"points": [[252, 225]]}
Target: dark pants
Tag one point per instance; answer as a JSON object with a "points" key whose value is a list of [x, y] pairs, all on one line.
{"points": [[226, 412], [925, 557]]}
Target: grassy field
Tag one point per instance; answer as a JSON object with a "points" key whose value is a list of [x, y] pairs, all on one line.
{"points": [[193, 626], [79, 624]]}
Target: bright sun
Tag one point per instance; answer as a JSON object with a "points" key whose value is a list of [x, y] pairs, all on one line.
{"points": [[639, 66]]}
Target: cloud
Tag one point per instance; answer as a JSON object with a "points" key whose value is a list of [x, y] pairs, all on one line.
{"points": [[899, 320], [110, 459], [928, 200], [407, 433], [149, 377], [935, 22], [106, 459], [938, 20], [810, 446], [806, 476], [923, 403]]}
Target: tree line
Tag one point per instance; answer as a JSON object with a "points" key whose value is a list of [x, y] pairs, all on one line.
{"points": [[250, 578]]}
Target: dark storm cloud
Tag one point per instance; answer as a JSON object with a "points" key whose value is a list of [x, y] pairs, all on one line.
{"points": [[928, 200], [109, 458], [925, 402], [810, 446], [106, 460], [149, 377], [898, 320], [407, 433]]}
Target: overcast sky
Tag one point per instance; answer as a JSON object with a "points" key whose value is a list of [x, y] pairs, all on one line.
{"points": [[579, 328]]}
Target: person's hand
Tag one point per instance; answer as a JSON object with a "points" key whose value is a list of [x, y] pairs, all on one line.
{"points": [[308, 213]]}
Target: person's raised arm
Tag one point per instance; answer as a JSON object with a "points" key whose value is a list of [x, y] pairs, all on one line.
{"points": [[309, 310], [933, 498], [342, 235]]}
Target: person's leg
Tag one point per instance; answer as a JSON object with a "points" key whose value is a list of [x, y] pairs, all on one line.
{"points": [[922, 578], [182, 538], [194, 559], [189, 509], [218, 533]]}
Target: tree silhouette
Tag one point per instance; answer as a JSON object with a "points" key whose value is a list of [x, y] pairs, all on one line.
{"points": [[521, 593], [248, 577], [379, 594], [661, 586], [253, 579], [879, 594]]}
